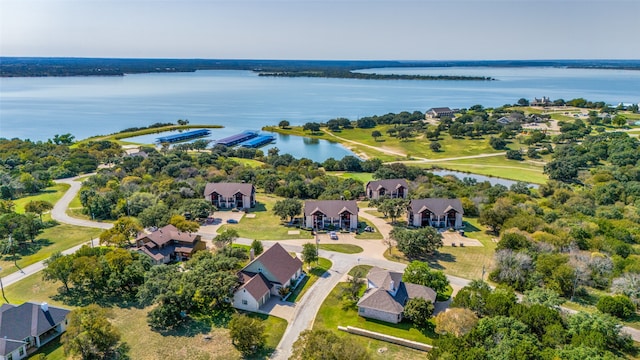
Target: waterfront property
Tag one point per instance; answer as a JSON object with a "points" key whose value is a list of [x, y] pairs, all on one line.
{"points": [[435, 212], [393, 188], [27, 327], [169, 244], [231, 195], [237, 138], [258, 141], [331, 214], [264, 276], [436, 113], [184, 136], [387, 295]]}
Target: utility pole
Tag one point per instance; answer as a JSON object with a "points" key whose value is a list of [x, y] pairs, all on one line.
{"points": [[2, 287]]}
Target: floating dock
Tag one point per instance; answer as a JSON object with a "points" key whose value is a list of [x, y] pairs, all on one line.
{"points": [[238, 138], [183, 136], [258, 141]]}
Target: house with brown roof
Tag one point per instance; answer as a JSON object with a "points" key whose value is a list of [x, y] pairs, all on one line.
{"points": [[336, 214], [265, 276], [231, 195], [438, 112], [169, 244], [387, 295], [27, 327], [435, 212], [393, 188]]}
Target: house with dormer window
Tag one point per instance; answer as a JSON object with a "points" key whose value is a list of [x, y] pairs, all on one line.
{"points": [[435, 212], [169, 244]]}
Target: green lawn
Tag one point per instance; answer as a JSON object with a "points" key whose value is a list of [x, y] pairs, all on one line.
{"points": [[362, 176], [266, 225], [57, 238], [51, 194], [332, 314], [366, 235], [363, 269], [247, 162], [465, 262], [341, 248], [313, 275]]}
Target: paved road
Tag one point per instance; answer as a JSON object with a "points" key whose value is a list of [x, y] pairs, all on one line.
{"points": [[59, 211]]}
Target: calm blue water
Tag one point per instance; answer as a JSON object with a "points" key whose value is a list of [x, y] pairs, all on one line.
{"points": [[38, 108], [314, 149]]}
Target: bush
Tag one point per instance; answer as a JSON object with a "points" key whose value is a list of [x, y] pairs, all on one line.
{"points": [[514, 155], [619, 306]]}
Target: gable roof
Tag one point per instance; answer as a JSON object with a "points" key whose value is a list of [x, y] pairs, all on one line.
{"points": [[380, 299], [256, 286], [436, 205], [168, 233], [331, 208], [390, 184], [7, 346], [278, 262], [381, 278], [228, 189], [420, 291], [28, 319], [440, 110]]}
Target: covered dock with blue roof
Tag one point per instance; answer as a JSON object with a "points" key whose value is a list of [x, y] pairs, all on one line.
{"points": [[237, 138], [184, 136], [258, 141]]}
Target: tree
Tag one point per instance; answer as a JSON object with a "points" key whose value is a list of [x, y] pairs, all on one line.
{"points": [[417, 243], [597, 330], [512, 268], [495, 215], [392, 208], [309, 253], [455, 321], [523, 102], [122, 231], [257, 247], [419, 311], [542, 296], [64, 139], [376, 134], [473, 297], [182, 224], [514, 155], [311, 126], [628, 284], [183, 122], [247, 334], [354, 285], [418, 272], [619, 120], [618, 305], [38, 207], [227, 237], [435, 146], [58, 268], [157, 215], [287, 208], [326, 345], [497, 143], [283, 124], [91, 336]]}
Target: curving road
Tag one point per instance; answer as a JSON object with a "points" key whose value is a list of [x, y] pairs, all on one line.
{"points": [[306, 308]]}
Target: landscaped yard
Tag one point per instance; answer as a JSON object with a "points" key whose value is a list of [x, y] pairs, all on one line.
{"points": [[265, 225], [332, 314], [57, 238], [313, 274], [367, 235], [341, 248], [466, 262]]}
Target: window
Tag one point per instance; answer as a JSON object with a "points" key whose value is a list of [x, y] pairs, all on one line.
{"points": [[10, 356], [21, 351], [244, 302], [361, 310]]}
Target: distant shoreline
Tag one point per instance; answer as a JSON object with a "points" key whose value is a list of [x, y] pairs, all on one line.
{"points": [[62, 67]]}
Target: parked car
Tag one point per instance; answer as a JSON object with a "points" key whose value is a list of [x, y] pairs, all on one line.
{"points": [[333, 235], [232, 221]]}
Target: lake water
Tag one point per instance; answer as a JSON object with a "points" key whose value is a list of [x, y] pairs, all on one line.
{"points": [[480, 178], [314, 149], [39, 108]]}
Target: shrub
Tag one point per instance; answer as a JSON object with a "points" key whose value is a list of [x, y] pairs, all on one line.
{"points": [[619, 306]]}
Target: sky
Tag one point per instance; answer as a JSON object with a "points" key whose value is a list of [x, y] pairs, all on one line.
{"points": [[327, 29]]}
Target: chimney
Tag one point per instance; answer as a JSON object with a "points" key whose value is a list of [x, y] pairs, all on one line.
{"points": [[44, 306], [252, 254], [392, 286]]}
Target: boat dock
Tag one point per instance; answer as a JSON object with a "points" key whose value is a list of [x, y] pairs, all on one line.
{"points": [[258, 141], [183, 136], [238, 138]]}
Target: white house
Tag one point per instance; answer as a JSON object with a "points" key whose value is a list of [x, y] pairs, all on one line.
{"points": [[265, 276], [393, 188], [25, 328], [435, 212], [231, 195], [338, 214]]}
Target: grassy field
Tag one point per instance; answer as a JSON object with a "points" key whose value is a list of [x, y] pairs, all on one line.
{"points": [[332, 314], [364, 177], [247, 162], [341, 248], [465, 262], [498, 166], [57, 238], [266, 225], [313, 275], [51, 194]]}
